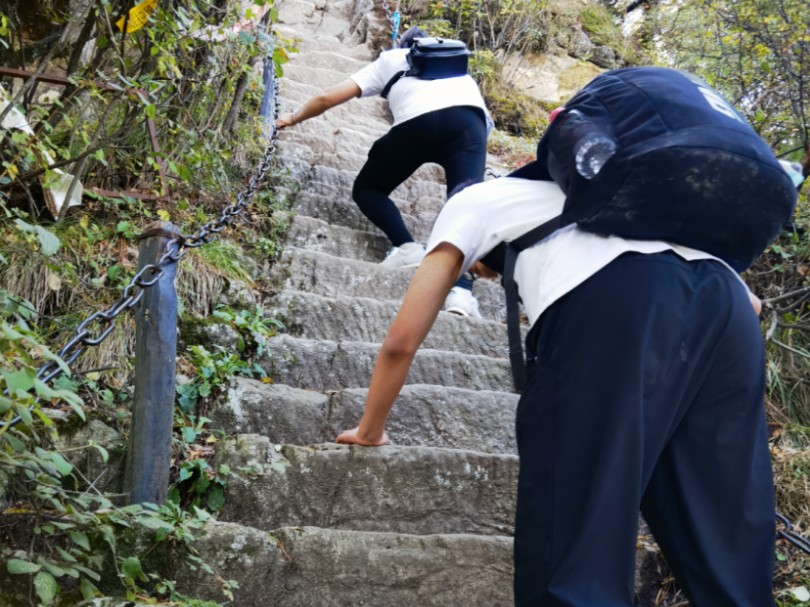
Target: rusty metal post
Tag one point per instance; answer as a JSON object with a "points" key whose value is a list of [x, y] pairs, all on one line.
{"points": [[150, 439]]}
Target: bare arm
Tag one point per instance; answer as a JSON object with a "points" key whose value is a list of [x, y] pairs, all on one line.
{"points": [[317, 105], [423, 301]]}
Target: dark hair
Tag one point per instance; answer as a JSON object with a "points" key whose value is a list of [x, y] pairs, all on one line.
{"points": [[406, 40]]}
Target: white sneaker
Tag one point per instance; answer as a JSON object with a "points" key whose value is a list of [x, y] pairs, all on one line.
{"points": [[461, 301], [408, 255]]}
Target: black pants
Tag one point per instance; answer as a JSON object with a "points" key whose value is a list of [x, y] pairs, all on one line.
{"points": [[454, 138], [647, 394]]}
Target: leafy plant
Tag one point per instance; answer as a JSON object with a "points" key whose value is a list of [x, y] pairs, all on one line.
{"points": [[254, 326], [214, 371], [66, 540], [226, 258], [199, 485]]}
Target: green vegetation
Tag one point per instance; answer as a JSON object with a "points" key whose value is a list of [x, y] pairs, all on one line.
{"points": [[500, 26], [601, 24], [63, 539], [513, 111], [157, 124]]}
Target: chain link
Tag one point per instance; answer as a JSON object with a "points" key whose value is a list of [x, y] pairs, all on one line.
{"points": [[388, 12], [98, 326], [802, 543], [393, 19]]}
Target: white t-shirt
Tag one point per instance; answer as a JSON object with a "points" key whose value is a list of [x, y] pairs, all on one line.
{"points": [[481, 216], [411, 97]]}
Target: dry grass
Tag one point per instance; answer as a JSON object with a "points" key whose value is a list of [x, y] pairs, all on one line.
{"points": [[26, 277], [50, 295], [199, 285], [792, 479]]}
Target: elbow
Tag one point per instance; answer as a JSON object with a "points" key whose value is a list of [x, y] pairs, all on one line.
{"points": [[323, 102], [399, 345]]}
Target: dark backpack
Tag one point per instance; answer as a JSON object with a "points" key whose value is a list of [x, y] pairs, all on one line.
{"points": [[686, 168], [433, 59]]}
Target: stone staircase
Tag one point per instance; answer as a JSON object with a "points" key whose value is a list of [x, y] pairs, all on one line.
{"points": [[428, 520]]}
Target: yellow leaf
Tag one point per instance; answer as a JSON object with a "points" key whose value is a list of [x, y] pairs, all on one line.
{"points": [[138, 16], [54, 281]]}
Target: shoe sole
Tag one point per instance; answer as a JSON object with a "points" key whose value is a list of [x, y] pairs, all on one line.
{"points": [[457, 311]]}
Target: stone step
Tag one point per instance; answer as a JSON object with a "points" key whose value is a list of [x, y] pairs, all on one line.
{"points": [[332, 61], [314, 567], [363, 319], [424, 192], [317, 235], [326, 192], [329, 276], [351, 44], [315, 140], [425, 415], [327, 365], [342, 211], [416, 490], [359, 122], [319, 19]]}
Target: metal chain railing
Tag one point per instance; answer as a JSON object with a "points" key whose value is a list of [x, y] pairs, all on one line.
{"points": [[98, 326], [394, 18], [791, 536]]}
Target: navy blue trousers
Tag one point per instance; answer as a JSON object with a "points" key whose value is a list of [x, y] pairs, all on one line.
{"points": [[645, 393], [455, 138]]}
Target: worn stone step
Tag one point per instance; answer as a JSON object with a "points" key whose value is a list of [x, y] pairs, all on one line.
{"points": [[319, 144], [424, 415], [423, 192], [314, 567], [358, 122], [317, 235], [319, 19], [418, 490], [342, 211], [314, 316], [330, 276], [325, 187], [331, 61], [328, 365], [351, 44]]}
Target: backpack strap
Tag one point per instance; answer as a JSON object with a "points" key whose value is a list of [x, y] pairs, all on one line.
{"points": [[394, 79], [513, 249]]}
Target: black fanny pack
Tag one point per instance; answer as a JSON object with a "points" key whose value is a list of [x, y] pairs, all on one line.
{"points": [[433, 59]]}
